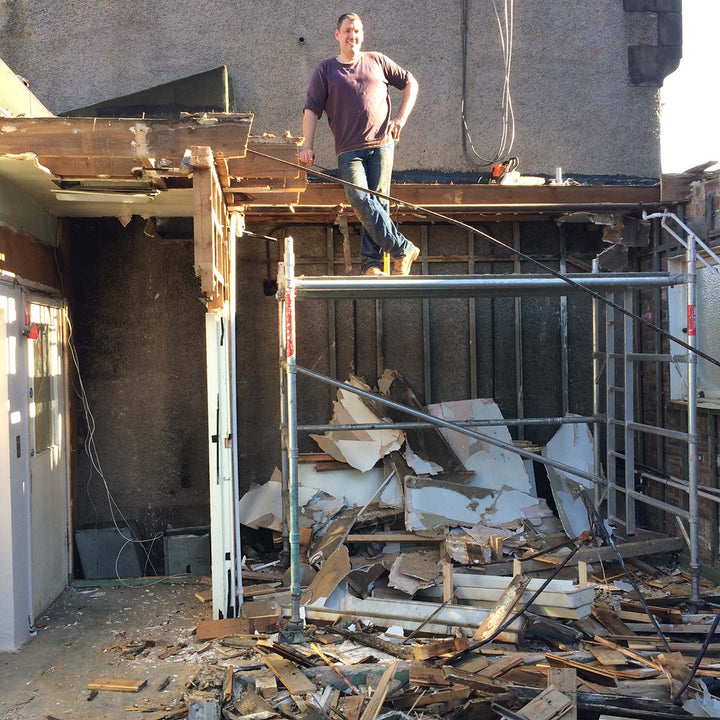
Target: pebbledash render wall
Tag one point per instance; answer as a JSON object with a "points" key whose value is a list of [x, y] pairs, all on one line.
{"points": [[584, 82]]}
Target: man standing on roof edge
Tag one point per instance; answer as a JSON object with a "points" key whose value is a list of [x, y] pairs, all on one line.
{"points": [[352, 89]]}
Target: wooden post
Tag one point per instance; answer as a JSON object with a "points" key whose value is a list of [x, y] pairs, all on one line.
{"points": [[496, 547], [447, 573], [582, 573]]}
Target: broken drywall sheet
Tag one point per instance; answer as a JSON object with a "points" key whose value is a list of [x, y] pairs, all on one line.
{"points": [[432, 504], [511, 507], [359, 448], [573, 446], [420, 466], [411, 572], [492, 465], [261, 505], [357, 488]]}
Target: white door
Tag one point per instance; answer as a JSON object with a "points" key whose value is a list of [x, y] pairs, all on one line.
{"points": [[48, 462]]}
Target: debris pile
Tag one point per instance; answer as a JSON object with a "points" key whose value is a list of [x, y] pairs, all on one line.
{"points": [[435, 583]]}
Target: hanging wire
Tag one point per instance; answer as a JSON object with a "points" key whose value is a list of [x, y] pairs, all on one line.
{"points": [[507, 138]]}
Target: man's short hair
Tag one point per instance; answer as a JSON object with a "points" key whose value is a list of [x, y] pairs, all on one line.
{"points": [[348, 16]]}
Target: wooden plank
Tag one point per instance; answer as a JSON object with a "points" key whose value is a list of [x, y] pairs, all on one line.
{"points": [[211, 629], [263, 575], [607, 656], [390, 537], [605, 615], [501, 666], [266, 686], [204, 596], [350, 706], [292, 679], [421, 674], [655, 546], [117, 684], [452, 645], [587, 672], [503, 608], [376, 701], [475, 681], [549, 704], [564, 680], [253, 165], [431, 698], [125, 138]]}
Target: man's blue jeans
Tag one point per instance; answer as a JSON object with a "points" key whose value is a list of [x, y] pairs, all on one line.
{"points": [[372, 168]]}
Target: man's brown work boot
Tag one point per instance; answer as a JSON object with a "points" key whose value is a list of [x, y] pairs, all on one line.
{"points": [[374, 272], [403, 265]]}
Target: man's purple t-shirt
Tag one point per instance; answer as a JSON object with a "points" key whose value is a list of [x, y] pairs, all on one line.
{"points": [[355, 98]]}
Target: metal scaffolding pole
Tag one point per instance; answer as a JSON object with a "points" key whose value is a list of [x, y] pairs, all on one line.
{"points": [[691, 280], [292, 632], [597, 372], [415, 286]]}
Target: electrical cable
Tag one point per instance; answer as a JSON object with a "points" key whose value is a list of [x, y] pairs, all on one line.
{"points": [[94, 456], [603, 532], [698, 659], [452, 221], [510, 620], [507, 139]]}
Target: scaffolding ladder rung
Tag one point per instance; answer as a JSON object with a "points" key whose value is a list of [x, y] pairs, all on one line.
{"points": [[615, 388], [651, 357], [652, 430]]}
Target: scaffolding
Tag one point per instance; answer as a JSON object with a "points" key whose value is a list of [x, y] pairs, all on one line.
{"points": [[292, 289]]}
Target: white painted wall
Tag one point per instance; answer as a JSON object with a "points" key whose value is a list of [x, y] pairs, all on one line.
{"points": [[15, 600]]}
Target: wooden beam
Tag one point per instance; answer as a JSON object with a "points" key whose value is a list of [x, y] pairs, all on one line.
{"points": [[517, 196], [126, 138]]}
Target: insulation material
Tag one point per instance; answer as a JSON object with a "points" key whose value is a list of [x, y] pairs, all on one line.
{"points": [[361, 448], [573, 446], [355, 487], [433, 504], [492, 465]]}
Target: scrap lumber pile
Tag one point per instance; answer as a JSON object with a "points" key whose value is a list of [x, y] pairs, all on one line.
{"points": [[435, 583]]}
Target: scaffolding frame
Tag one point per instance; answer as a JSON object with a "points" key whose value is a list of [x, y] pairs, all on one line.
{"points": [[292, 288]]}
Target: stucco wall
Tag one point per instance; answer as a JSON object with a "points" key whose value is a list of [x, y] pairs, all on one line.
{"points": [[574, 104]]}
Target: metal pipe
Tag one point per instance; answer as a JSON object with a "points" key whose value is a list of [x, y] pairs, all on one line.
{"points": [[452, 426], [653, 357], [597, 371], [570, 420], [652, 430], [679, 484], [283, 421], [629, 406], [426, 338], [318, 288], [691, 275], [610, 410], [564, 369], [518, 346], [236, 230], [291, 378], [654, 502]]}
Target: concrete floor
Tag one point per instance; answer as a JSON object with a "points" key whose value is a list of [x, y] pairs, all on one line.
{"points": [[48, 677]]}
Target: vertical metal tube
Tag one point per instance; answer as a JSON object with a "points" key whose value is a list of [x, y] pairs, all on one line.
{"points": [[427, 359], [610, 410], [629, 377], [332, 337], [472, 323], [564, 370], [292, 449], [519, 390], [283, 414], [597, 371], [691, 285]]}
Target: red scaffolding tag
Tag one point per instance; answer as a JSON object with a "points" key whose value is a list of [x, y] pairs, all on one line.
{"points": [[289, 323], [691, 327]]}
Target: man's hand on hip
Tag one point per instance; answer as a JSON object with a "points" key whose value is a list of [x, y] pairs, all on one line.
{"points": [[394, 127]]}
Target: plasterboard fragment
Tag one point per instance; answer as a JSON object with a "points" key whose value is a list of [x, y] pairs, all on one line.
{"points": [[572, 445], [420, 466], [490, 463], [432, 504]]}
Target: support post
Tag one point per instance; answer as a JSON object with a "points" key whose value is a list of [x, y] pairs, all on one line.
{"points": [[292, 632], [629, 378], [691, 256], [283, 423], [610, 410], [597, 372]]}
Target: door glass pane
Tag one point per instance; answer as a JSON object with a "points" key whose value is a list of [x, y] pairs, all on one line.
{"points": [[45, 365]]}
